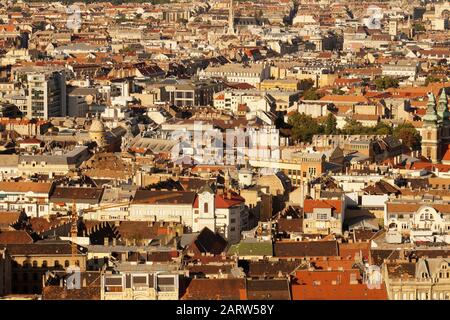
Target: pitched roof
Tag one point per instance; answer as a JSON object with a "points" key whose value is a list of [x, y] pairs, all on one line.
{"points": [[333, 285], [40, 224], [164, 197], [76, 193], [22, 186], [42, 248], [61, 293], [268, 289], [207, 242], [9, 218], [224, 201], [15, 237], [215, 289], [306, 248], [310, 204]]}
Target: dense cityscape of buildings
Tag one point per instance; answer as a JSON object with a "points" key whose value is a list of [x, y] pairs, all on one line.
{"points": [[225, 149]]}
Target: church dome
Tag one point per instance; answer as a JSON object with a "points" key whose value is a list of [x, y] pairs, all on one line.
{"points": [[97, 132], [97, 126]]}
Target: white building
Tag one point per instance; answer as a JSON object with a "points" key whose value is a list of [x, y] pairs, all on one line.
{"points": [[420, 221], [252, 74], [32, 197]]}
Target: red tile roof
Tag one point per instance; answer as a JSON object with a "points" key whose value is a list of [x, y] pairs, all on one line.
{"points": [[310, 204], [333, 285], [224, 201]]}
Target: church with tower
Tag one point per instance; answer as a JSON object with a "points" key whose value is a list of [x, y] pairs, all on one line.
{"points": [[435, 129]]}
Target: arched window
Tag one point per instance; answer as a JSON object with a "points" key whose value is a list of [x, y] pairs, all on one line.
{"points": [[44, 263], [428, 135], [66, 263], [56, 263], [205, 207], [35, 264]]}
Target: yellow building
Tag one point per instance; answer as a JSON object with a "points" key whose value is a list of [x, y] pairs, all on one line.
{"points": [[280, 84]]}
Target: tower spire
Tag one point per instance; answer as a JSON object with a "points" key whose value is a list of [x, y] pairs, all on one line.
{"points": [[442, 108], [431, 115]]}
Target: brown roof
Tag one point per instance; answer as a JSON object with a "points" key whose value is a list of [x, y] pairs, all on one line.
{"points": [[207, 242], [290, 225], [67, 194], [21, 186], [305, 248], [42, 248], [15, 237], [413, 207], [8, 218], [60, 293], [268, 289], [137, 230], [40, 224], [271, 269], [215, 289], [163, 197], [401, 269]]}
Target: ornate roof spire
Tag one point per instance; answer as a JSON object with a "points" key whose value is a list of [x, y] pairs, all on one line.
{"points": [[442, 108], [431, 115]]}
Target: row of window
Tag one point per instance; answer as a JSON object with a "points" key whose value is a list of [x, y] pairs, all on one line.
{"points": [[56, 263]]}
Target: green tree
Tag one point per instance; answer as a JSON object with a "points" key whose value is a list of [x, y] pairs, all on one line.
{"points": [[303, 127], [330, 124], [417, 27], [431, 79], [382, 129], [383, 83], [408, 134], [306, 84], [353, 127], [311, 94]]}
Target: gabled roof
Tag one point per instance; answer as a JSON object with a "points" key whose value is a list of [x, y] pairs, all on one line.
{"points": [[207, 242], [224, 201], [310, 204]]}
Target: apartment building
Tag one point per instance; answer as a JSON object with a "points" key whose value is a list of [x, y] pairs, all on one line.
{"points": [[140, 286], [45, 92], [31, 197], [31, 261], [424, 279], [420, 221], [190, 94], [323, 216], [252, 74], [298, 166]]}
